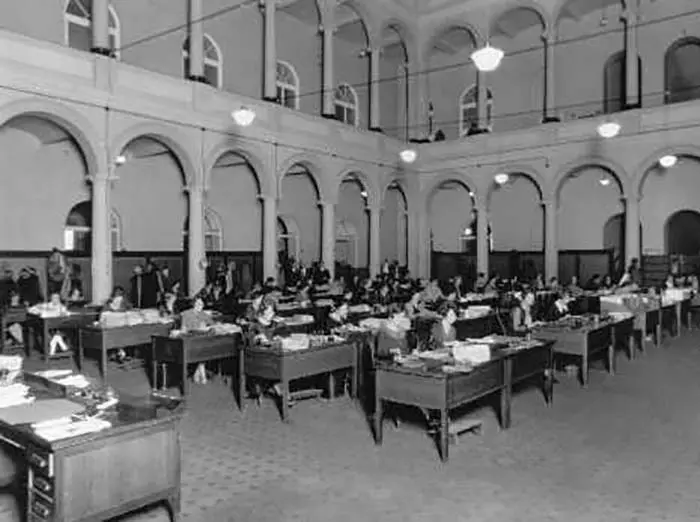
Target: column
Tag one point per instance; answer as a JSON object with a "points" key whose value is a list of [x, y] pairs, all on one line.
{"points": [[375, 255], [482, 239], [550, 114], [328, 82], [632, 100], [100, 27], [632, 239], [551, 254], [101, 244], [418, 94], [270, 73], [196, 40], [328, 236], [269, 236], [374, 98], [196, 261], [482, 99]]}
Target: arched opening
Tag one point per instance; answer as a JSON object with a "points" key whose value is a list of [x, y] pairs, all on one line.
{"points": [[300, 44], [48, 168], [682, 231], [665, 193], [300, 201], [393, 226], [352, 224], [213, 61], [77, 20], [351, 55], [287, 81], [150, 172], [587, 198], [682, 78], [452, 219], [517, 227], [448, 52], [469, 111], [615, 83], [393, 83], [519, 92]]}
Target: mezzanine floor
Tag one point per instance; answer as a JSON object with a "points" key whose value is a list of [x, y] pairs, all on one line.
{"points": [[625, 449]]}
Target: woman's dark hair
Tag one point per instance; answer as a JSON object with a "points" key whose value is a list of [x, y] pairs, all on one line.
{"points": [[446, 307]]}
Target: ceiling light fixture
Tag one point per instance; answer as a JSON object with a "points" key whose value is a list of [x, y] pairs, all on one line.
{"points": [[408, 155], [609, 129], [487, 58], [468, 232], [501, 178], [243, 116], [668, 161], [364, 194], [120, 160], [605, 181]]}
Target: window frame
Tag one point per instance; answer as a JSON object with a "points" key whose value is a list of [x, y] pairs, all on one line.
{"points": [[218, 63], [282, 86], [473, 104], [346, 106], [86, 22]]}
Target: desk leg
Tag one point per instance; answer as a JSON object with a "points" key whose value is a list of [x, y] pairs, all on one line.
{"points": [[611, 358], [45, 341], [355, 382], [506, 392], [154, 366], [284, 397], [174, 507], [103, 359], [584, 366], [659, 328], [631, 345], [378, 419], [444, 435], [679, 319], [184, 374], [240, 379], [81, 352], [331, 386], [549, 380], [3, 334]]}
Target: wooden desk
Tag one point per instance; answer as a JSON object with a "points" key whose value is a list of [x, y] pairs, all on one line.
{"points": [[479, 326], [437, 390], [623, 336], [41, 326], [276, 365], [8, 317], [95, 338], [582, 342], [196, 348], [98, 476]]}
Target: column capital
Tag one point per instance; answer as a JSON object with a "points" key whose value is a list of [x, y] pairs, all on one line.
{"points": [[374, 207], [265, 198], [548, 37], [195, 190], [324, 203], [548, 202]]}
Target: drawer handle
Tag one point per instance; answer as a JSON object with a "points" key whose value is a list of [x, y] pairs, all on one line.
{"points": [[42, 485], [38, 461], [41, 510]]}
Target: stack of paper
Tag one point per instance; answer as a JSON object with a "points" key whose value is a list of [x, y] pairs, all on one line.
{"points": [[65, 428], [14, 395], [471, 353]]}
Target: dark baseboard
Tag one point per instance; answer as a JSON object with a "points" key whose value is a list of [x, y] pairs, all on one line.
{"points": [[551, 119]]}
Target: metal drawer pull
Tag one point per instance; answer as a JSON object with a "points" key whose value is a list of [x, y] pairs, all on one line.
{"points": [[40, 509], [42, 485], [38, 461]]}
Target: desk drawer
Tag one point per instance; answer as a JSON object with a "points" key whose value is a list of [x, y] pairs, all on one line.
{"points": [[40, 461], [42, 485], [40, 509]]}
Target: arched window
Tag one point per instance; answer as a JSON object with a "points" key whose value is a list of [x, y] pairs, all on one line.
{"points": [[78, 228], [682, 81], [468, 111], [615, 83], [115, 231], [346, 104], [287, 86], [213, 233], [213, 61], [77, 20]]}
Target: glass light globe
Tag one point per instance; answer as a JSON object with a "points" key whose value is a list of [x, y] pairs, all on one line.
{"points": [[609, 129], [243, 116], [487, 58], [668, 161], [408, 155], [501, 179]]}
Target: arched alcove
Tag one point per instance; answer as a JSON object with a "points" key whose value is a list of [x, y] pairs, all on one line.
{"points": [[233, 195], [451, 211], [393, 225], [615, 83], [150, 173], [351, 211], [682, 74], [300, 201], [682, 231], [516, 214], [47, 167]]}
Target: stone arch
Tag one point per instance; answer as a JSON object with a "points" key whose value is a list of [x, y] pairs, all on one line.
{"points": [[74, 123], [645, 166], [250, 154], [404, 32], [311, 165], [373, 198], [530, 5], [365, 14], [166, 135], [452, 23], [522, 170], [463, 179], [617, 172]]}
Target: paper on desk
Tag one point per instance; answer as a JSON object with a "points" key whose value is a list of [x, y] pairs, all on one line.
{"points": [[39, 411], [73, 429]]}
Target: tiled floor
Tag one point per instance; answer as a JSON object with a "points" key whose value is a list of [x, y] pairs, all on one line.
{"points": [[624, 449]]}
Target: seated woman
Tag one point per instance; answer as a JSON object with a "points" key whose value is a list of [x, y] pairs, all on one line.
{"points": [[197, 320], [670, 282], [480, 283], [339, 316], [168, 307], [522, 314], [554, 285], [215, 299], [491, 284], [382, 298], [444, 331], [574, 289], [607, 283], [414, 306], [118, 301], [53, 308], [538, 283], [594, 283], [262, 322]]}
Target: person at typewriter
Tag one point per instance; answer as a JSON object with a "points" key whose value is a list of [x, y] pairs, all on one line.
{"points": [[607, 283], [195, 319], [339, 316], [444, 331], [254, 308], [560, 308], [631, 277], [118, 301], [574, 289]]}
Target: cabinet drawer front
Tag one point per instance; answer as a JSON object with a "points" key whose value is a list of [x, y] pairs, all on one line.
{"points": [[41, 461], [42, 485], [41, 509]]}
